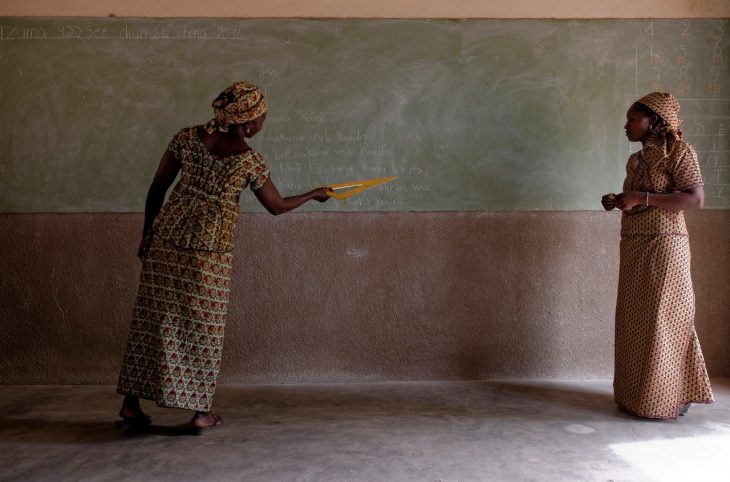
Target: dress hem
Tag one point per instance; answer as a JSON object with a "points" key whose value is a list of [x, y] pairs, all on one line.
{"points": [[708, 401], [162, 403]]}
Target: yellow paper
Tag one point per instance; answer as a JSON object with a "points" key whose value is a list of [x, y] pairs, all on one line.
{"points": [[355, 187]]}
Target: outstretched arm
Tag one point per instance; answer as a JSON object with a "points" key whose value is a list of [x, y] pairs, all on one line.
{"points": [[270, 198]]}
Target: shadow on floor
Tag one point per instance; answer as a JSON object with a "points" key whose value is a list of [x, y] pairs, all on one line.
{"points": [[327, 404], [45, 431], [489, 399], [562, 398]]}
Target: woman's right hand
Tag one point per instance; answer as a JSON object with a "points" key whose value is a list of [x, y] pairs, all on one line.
{"points": [[320, 194], [270, 198], [609, 201]]}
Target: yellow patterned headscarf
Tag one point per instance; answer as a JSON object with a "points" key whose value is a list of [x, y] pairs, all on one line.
{"points": [[239, 103], [667, 106]]}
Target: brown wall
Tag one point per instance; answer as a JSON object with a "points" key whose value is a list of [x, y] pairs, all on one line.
{"points": [[353, 297]]}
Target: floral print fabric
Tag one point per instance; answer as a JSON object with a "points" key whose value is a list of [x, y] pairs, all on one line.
{"points": [[175, 343], [238, 103], [202, 210]]}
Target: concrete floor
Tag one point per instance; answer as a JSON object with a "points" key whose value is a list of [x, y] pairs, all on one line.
{"points": [[425, 431]]}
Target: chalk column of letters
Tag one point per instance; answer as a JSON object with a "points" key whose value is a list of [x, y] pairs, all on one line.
{"points": [[670, 65]]}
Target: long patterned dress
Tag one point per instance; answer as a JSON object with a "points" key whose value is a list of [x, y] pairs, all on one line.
{"points": [[175, 341], [658, 362]]}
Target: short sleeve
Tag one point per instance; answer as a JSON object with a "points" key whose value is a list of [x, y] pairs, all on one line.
{"points": [[630, 170], [175, 143], [686, 172], [259, 173]]}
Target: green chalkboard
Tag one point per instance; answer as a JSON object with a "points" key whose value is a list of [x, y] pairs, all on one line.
{"points": [[473, 115]]}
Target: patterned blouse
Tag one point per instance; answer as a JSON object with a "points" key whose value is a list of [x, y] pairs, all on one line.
{"points": [[202, 210], [653, 171]]}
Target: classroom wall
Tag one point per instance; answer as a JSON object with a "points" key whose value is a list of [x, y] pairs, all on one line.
{"points": [[355, 296]]}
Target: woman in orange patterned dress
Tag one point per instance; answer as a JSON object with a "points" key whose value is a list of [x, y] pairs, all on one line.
{"points": [[659, 369], [176, 336]]}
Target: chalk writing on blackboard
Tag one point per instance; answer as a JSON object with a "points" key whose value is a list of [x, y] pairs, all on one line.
{"points": [[471, 115]]}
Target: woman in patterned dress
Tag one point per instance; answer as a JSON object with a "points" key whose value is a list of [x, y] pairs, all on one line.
{"points": [[659, 369], [175, 341]]}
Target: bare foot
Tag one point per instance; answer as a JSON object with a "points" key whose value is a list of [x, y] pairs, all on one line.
{"points": [[205, 420], [132, 413], [135, 416]]}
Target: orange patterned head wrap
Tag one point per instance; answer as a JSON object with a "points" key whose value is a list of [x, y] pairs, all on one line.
{"points": [[239, 103], [667, 107]]}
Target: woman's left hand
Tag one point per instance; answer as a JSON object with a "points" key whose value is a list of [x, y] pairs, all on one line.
{"points": [[142, 249], [629, 199]]}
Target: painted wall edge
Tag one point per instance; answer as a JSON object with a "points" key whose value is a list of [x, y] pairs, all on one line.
{"points": [[370, 9]]}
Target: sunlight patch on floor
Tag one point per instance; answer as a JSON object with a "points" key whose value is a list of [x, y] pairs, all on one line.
{"points": [[704, 457]]}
